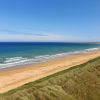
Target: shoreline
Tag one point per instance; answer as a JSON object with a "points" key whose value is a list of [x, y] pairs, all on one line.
{"points": [[11, 63], [63, 55], [13, 78]]}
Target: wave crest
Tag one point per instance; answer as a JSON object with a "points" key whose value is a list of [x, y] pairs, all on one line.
{"points": [[18, 61]]}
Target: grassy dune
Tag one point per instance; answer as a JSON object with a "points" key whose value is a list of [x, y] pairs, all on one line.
{"points": [[78, 83]]}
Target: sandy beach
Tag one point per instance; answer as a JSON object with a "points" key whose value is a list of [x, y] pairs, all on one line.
{"points": [[13, 78]]}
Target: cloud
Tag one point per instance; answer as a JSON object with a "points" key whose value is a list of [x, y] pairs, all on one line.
{"points": [[30, 35], [43, 36], [7, 31]]}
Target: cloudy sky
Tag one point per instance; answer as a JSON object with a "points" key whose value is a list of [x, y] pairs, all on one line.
{"points": [[50, 20]]}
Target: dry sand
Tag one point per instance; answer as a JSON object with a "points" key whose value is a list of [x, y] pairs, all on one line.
{"points": [[13, 78]]}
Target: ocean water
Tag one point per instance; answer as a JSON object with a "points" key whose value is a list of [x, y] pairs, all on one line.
{"points": [[15, 54]]}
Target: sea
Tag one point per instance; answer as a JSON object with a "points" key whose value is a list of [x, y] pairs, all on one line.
{"points": [[24, 53]]}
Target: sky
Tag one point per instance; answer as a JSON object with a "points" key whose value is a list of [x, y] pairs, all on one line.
{"points": [[50, 20]]}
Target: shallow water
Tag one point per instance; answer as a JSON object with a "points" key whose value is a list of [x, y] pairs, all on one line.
{"points": [[12, 54]]}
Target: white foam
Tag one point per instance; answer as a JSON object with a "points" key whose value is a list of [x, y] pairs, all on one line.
{"points": [[14, 59], [17, 61], [92, 49]]}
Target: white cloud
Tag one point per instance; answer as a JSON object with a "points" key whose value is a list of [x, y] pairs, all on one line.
{"points": [[30, 37], [46, 37]]}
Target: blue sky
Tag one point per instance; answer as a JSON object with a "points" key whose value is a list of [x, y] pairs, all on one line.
{"points": [[50, 20]]}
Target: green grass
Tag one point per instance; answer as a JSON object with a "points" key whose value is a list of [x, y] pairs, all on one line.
{"points": [[78, 83]]}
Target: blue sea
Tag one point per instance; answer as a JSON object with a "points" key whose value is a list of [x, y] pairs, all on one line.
{"points": [[16, 54]]}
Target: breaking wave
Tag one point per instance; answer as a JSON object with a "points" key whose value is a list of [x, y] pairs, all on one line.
{"points": [[18, 61]]}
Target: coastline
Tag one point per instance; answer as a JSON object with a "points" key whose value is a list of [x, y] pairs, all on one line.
{"points": [[13, 78], [21, 61]]}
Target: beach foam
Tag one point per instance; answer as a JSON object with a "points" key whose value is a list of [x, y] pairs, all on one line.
{"points": [[18, 61]]}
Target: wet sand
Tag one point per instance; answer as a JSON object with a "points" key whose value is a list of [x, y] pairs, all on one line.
{"points": [[13, 78]]}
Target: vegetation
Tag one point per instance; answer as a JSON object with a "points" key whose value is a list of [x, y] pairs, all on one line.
{"points": [[78, 83]]}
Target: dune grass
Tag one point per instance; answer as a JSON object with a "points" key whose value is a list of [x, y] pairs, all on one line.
{"points": [[78, 83]]}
